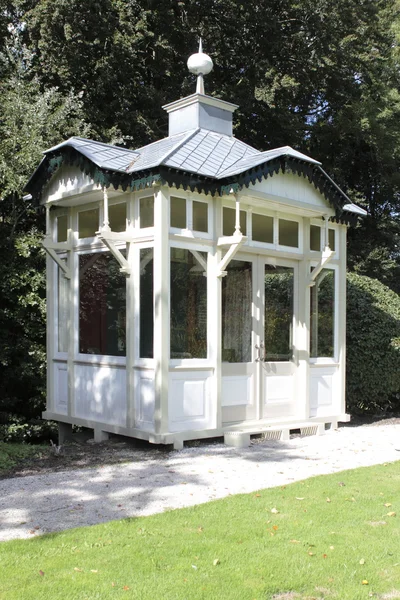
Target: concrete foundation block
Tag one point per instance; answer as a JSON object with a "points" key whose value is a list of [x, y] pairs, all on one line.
{"points": [[100, 435], [237, 439], [178, 444], [285, 435], [64, 432]]}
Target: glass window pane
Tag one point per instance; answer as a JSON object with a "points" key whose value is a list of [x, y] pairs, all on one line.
{"points": [[88, 223], [200, 216], [288, 233], [117, 216], [263, 229], [63, 312], [229, 221], [147, 212], [178, 212], [278, 313], [102, 305], [331, 237], [315, 238], [188, 305], [236, 312], [146, 303], [62, 228], [323, 315]]}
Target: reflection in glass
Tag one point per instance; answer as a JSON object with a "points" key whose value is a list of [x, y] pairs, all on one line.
{"points": [[88, 223], [288, 233], [63, 311], [200, 216], [331, 238], [236, 312], [315, 238], [146, 303], [146, 212], [62, 228], [262, 228], [178, 212], [229, 221], [188, 304], [323, 315], [278, 313], [117, 216], [102, 305]]}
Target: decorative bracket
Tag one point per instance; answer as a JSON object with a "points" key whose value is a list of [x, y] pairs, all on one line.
{"points": [[235, 242], [327, 254], [109, 238], [51, 248]]}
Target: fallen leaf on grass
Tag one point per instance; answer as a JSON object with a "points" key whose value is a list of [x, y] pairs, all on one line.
{"points": [[362, 561], [216, 562], [364, 582], [391, 514], [328, 500], [295, 542], [274, 511], [194, 567], [387, 504], [275, 527], [331, 547], [93, 570], [257, 495], [41, 573], [324, 556], [125, 587], [311, 553], [79, 570]]}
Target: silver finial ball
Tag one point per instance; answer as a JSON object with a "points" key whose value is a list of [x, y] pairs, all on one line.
{"points": [[200, 64]]}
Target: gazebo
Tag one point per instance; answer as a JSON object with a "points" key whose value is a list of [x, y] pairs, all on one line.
{"points": [[196, 287]]}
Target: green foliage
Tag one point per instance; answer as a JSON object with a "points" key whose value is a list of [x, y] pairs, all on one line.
{"points": [[12, 454], [373, 346], [233, 549]]}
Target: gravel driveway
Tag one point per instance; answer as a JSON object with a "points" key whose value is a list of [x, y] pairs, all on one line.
{"points": [[48, 502]]}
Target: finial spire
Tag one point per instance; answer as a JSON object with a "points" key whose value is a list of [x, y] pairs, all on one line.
{"points": [[200, 64]]}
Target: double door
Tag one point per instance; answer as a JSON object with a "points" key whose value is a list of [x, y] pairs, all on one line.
{"points": [[259, 312]]}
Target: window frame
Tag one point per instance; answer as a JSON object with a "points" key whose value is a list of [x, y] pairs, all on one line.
{"points": [[327, 360]]}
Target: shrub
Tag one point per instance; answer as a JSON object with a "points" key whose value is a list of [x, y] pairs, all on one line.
{"points": [[373, 346]]}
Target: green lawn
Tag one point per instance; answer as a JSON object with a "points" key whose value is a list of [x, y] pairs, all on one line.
{"points": [[332, 537], [12, 455]]}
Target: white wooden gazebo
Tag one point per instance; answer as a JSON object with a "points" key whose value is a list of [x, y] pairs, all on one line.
{"points": [[196, 287]]}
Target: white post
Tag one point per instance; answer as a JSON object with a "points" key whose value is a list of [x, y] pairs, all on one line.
{"points": [[130, 318], [214, 307], [237, 215], [340, 306], [302, 377], [106, 222], [73, 318], [161, 308]]}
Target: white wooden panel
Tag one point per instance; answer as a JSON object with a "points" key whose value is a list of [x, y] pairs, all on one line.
{"points": [[100, 393], [279, 398], [144, 398], [237, 390], [189, 401], [293, 187], [321, 391], [60, 388], [66, 180]]}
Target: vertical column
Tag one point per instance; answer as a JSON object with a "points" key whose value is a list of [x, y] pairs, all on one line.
{"points": [[340, 306], [51, 286], [132, 282], [73, 315], [161, 308], [214, 307], [302, 377]]}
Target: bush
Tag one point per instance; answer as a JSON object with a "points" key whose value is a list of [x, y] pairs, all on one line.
{"points": [[373, 346]]}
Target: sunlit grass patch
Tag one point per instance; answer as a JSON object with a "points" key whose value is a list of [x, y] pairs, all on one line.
{"points": [[334, 536]]}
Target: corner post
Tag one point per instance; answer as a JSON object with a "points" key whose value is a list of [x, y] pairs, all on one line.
{"points": [[161, 308]]}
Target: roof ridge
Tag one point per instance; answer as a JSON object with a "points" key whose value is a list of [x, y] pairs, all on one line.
{"points": [[77, 137], [178, 145]]}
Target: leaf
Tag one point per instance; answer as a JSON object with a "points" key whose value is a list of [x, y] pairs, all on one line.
{"points": [[79, 570], [365, 582], [328, 500], [391, 514], [299, 498], [311, 553], [257, 495], [194, 567], [295, 542], [216, 562], [274, 511], [41, 572], [387, 504], [275, 527], [125, 587], [331, 547], [362, 561], [93, 570], [324, 556]]}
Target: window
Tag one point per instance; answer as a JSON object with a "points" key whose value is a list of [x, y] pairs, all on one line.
{"points": [[315, 238], [188, 304], [117, 217], [331, 238], [88, 223], [229, 221], [146, 303], [263, 229], [288, 233], [200, 216], [146, 212], [322, 320], [102, 305], [63, 311], [236, 312], [278, 321], [178, 212], [62, 228]]}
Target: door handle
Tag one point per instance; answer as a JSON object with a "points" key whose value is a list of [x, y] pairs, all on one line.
{"points": [[260, 352]]}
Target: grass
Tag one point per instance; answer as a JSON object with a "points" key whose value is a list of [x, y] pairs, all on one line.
{"points": [[12, 455], [329, 537]]}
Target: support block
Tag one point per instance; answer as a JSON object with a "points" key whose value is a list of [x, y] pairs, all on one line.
{"points": [[237, 439], [285, 435], [64, 432], [178, 444], [100, 435]]}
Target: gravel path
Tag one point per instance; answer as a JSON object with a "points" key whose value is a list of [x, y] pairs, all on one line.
{"points": [[49, 502]]}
